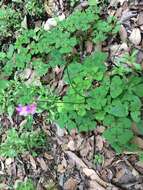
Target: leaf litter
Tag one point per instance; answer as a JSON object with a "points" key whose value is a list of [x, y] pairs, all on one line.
{"points": [[69, 165]]}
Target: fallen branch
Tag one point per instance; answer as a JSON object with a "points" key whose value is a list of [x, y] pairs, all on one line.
{"points": [[98, 182]]}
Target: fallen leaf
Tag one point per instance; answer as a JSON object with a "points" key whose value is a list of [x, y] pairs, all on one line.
{"points": [[115, 2], [8, 161], [138, 141], [123, 33], [85, 149], [126, 15], [60, 132], [42, 164], [89, 46], [99, 142], [135, 129], [24, 23], [140, 19], [140, 57], [100, 129], [93, 185], [48, 156], [61, 168], [70, 184], [88, 172], [71, 145], [32, 161], [139, 164]]}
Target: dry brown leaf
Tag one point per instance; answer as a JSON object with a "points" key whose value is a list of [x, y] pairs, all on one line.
{"points": [[8, 161], [89, 47], [140, 19], [61, 168], [138, 141], [32, 161], [107, 162], [1, 165], [115, 2], [23, 122], [85, 149], [20, 172], [99, 142], [118, 12], [93, 185], [4, 186], [140, 57], [24, 23], [135, 36], [88, 172], [107, 174], [48, 5], [71, 145], [139, 164], [123, 33], [126, 15], [60, 86], [119, 49], [70, 184], [60, 132], [135, 129], [100, 129], [42, 164], [76, 159], [48, 156]]}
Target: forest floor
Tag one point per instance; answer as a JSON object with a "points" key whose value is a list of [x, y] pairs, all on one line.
{"points": [[76, 161]]}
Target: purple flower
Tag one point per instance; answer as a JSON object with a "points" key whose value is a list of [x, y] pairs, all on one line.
{"points": [[26, 110]]}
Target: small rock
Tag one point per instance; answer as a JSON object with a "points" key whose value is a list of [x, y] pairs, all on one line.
{"points": [[135, 36], [51, 22]]}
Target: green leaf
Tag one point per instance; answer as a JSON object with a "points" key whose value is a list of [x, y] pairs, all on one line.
{"points": [[118, 110], [116, 87], [92, 2], [138, 90], [109, 121], [10, 52], [71, 125], [3, 84], [81, 112], [136, 115], [87, 125], [2, 56], [40, 67], [100, 115]]}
